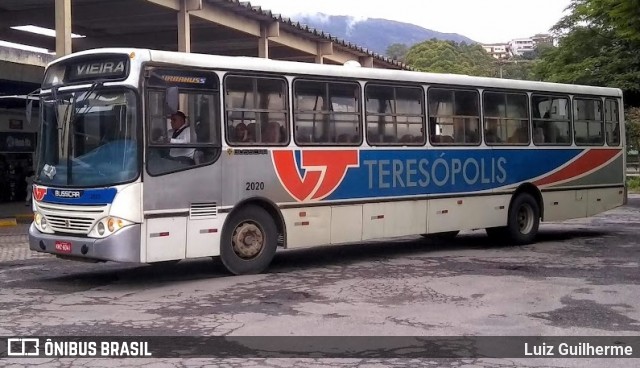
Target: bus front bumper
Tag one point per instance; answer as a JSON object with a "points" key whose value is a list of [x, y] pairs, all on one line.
{"points": [[123, 246]]}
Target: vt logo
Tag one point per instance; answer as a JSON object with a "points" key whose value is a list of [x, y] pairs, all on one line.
{"points": [[39, 192], [313, 175]]}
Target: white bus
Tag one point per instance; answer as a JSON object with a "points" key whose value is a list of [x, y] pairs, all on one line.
{"points": [[151, 156]]}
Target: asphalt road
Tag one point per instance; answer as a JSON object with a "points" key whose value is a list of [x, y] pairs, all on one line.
{"points": [[580, 279]]}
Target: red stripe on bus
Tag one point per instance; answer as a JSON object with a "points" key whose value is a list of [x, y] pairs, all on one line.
{"points": [[587, 162]]}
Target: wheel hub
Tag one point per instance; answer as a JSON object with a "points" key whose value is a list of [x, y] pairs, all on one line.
{"points": [[525, 219], [248, 240]]}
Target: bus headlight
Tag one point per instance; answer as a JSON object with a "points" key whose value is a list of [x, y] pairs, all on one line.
{"points": [[108, 226], [100, 228], [41, 223]]}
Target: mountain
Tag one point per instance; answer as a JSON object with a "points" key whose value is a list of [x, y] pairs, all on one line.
{"points": [[373, 33]]}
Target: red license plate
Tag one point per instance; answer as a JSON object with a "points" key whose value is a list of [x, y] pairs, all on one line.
{"points": [[63, 247]]}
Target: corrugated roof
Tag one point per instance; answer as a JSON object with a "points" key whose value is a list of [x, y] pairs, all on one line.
{"points": [[256, 12]]}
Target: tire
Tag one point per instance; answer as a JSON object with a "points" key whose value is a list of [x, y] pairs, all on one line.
{"points": [[249, 241], [524, 219]]}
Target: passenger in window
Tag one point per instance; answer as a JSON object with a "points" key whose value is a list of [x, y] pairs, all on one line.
{"points": [[407, 138], [491, 132], [272, 133], [538, 135], [521, 135], [180, 134], [461, 133], [242, 134], [344, 138]]}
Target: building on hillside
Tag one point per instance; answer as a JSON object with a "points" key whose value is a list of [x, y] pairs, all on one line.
{"points": [[544, 38], [497, 50], [518, 46]]}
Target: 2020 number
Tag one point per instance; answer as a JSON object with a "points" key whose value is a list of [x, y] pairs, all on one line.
{"points": [[255, 185]]}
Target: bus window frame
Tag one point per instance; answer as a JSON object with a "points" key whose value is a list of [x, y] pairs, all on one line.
{"points": [[287, 110], [326, 80], [453, 87], [618, 122], [570, 119], [529, 113], [215, 146], [602, 117], [423, 102]]}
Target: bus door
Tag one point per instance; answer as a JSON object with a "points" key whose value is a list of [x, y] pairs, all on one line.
{"points": [[181, 190]]}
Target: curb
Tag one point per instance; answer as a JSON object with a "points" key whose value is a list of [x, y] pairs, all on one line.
{"points": [[8, 222], [24, 219]]}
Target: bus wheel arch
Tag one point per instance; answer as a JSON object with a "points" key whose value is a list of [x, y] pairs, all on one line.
{"points": [[250, 235], [523, 221], [525, 214], [534, 192]]}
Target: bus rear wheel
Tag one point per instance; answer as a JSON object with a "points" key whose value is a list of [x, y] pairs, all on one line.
{"points": [[524, 219], [249, 241]]}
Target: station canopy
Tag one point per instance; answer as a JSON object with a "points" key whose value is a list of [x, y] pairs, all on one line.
{"points": [[223, 27]]}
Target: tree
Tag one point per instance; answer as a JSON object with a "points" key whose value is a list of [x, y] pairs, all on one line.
{"points": [[397, 51], [450, 57], [517, 68], [632, 125], [599, 40]]}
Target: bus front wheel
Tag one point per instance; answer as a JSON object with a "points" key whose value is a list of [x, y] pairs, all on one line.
{"points": [[524, 219], [249, 241]]}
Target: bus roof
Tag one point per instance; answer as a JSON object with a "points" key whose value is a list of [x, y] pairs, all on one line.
{"points": [[346, 71]]}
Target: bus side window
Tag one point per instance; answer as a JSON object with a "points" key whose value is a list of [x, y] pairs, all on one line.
{"points": [[327, 113], [256, 110], [394, 115], [551, 123], [167, 152], [454, 116]]}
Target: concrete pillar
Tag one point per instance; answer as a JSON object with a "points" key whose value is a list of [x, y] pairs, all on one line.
{"points": [[63, 27], [366, 61], [184, 28], [263, 42], [267, 30], [324, 48]]}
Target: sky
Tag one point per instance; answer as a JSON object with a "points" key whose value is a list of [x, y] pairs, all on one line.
{"points": [[484, 21]]}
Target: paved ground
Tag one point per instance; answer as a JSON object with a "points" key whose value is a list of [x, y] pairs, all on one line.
{"points": [[581, 278]]}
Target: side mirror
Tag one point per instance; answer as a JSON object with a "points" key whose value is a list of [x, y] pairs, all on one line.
{"points": [[171, 100], [29, 107]]}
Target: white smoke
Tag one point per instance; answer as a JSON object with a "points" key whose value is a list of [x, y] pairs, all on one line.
{"points": [[352, 21], [325, 18]]}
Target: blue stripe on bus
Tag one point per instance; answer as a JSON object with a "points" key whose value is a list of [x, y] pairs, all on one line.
{"points": [[83, 196], [391, 173]]}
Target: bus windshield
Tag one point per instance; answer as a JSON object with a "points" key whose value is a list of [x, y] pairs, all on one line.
{"points": [[88, 138]]}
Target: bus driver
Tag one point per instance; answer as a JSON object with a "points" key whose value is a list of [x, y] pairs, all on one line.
{"points": [[180, 134]]}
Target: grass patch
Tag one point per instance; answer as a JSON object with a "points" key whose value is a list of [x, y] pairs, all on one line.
{"points": [[633, 184]]}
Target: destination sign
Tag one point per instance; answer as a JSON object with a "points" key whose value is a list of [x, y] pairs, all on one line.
{"points": [[105, 68]]}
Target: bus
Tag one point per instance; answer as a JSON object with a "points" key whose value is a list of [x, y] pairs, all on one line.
{"points": [[152, 156]]}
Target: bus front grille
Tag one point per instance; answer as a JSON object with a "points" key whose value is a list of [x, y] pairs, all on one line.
{"points": [[72, 219], [70, 225]]}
